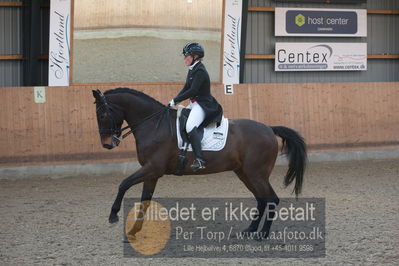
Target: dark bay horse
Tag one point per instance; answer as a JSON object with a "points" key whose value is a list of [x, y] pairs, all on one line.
{"points": [[251, 149]]}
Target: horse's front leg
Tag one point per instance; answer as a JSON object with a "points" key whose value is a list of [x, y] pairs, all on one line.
{"points": [[127, 183], [146, 196]]}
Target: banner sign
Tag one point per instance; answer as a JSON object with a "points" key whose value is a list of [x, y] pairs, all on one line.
{"points": [[320, 22], [232, 38], [321, 56], [59, 43]]}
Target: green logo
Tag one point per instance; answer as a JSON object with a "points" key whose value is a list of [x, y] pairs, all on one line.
{"points": [[300, 20]]}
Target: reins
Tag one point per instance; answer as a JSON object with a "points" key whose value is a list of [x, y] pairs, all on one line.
{"points": [[164, 110]]}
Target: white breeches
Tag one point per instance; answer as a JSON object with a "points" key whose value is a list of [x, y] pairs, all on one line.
{"points": [[196, 117]]}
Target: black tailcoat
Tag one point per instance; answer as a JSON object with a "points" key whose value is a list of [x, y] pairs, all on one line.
{"points": [[198, 87]]}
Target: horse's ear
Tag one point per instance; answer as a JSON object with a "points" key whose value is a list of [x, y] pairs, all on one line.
{"points": [[96, 94]]}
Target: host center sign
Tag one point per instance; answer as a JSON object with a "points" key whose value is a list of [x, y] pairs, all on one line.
{"points": [[320, 22], [331, 21]]}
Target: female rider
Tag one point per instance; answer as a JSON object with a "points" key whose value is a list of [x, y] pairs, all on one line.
{"points": [[204, 107]]}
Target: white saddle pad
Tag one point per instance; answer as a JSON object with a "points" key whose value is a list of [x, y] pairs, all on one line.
{"points": [[214, 137]]}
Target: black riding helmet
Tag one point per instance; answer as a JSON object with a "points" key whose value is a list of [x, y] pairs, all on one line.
{"points": [[194, 48]]}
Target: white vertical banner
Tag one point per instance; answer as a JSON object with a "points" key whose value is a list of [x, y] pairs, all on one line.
{"points": [[231, 41], [59, 43]]}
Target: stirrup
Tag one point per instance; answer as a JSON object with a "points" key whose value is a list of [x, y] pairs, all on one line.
{"points": [[198, 164]]}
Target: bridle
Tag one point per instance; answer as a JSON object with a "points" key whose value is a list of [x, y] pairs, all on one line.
{"points": [[116, 131]]}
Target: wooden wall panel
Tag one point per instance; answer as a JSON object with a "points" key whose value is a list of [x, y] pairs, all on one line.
{"points": [[331, 116]]}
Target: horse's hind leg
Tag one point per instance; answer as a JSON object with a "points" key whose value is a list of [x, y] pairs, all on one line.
{"points": [[265, 196], [271, 204], [261, 204]]}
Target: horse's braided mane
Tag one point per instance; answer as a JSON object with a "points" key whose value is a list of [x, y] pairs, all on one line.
{"points": [[134, 92]]}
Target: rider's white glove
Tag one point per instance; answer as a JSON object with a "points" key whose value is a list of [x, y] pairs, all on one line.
{"points": [[172, 103]]}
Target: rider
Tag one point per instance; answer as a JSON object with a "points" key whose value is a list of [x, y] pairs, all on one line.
{"points": [[204, 107]]}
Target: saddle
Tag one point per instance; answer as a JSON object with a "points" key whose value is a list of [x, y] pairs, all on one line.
{"points": [[212, 138]]}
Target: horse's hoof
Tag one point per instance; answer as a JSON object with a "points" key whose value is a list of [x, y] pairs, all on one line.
{"points": [[113, 219], [128, 239], [262, 236], [249, 230], [259, 238]]}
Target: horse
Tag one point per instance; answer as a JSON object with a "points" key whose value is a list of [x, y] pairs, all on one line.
{"points": [[250, 152]]}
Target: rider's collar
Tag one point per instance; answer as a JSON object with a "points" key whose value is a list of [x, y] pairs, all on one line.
{"points": [[193, 65]]}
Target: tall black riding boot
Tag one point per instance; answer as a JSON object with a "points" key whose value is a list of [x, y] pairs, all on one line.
{"points": [[195, 140]]}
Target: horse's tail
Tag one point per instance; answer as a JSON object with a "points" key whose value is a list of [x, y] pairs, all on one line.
{"points": [[295, 148]]}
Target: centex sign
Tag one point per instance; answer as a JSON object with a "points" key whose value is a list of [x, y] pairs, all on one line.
{"points": [[321, 57], [307, 57]]}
